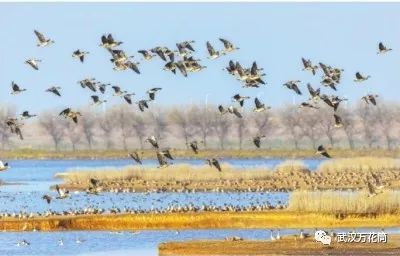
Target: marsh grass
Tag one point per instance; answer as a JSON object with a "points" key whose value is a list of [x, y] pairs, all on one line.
{"points": [[292, 167], [387, 202], [179, 172], [363, 164]]}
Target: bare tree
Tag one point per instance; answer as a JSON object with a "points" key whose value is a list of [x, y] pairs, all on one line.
{"points": [[107, 124], [366, 116], [139, 126], [182, 120], [241, 126], [221, 125], [123, 119], [349, 125], [290, 119], [88, 124], [326, 123], [385, 118], [309, 125], [263, 123], [73, 132], [158, 122], [203, 121], [53, 126]]}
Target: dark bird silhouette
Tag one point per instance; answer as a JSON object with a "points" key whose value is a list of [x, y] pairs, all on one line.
{"points": [[47, 198], [80, 55], [55, 90], [42, 40], [382, 48], [240, 99], [152, 92], [257, 140], [135, 156], [16, 89], [292, 85], [214, 162], [322, 151]]}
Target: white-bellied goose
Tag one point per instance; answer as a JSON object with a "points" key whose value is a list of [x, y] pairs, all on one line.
{"points": [[329, 82], [370, 98], [142, 104], [62, 193], [34, 63], [26, 115], [108, 42], [383, 49], [188, 45], [70, 114], [135, 156], [152, 92], [55, 90], [257, 140], [360, 78], [118, 91], [146, 54], [97, 100], [308, 66], [16, 89], [338, 121], [3, 166], [240, 99], [90, 83], [292, 85], [313, 93], [42, 40], [234, 111], [228, 46], [212, 53], [80, 55], [214, 162], [322, 151], [161, 160], [259, 106], [153, 141]]}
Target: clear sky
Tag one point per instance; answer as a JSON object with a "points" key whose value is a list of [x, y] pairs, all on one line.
{"points": [[276, 35]]}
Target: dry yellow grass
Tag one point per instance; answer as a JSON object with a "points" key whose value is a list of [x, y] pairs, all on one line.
{"points": [[286, 246], [387, 202], [179, 172], [200, 220], [363, 164]]}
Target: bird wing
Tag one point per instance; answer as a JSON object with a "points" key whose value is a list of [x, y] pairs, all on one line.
{"points": [[133, 66], [338, 119], [257, 142], [216, 164], [221, 109], [95, 98], [210, 49], [258, 103], [40, 36], [296, 89], [226, 43], [311, 90], [65, 112], [167, 154], [237, 113], [161, 159], [381, 47], [182, 68], [359, 76], [254, 68], [194, 147], [372, 100]]}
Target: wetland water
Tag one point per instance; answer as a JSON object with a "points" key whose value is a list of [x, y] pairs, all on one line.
{"points": [[34, 177]]}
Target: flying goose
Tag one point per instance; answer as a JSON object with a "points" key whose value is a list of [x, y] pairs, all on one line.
{"points": [[259, 107], [42, 40], [182, 50], [153, 141], [231, 68], [14, 126], [108, 42], [322, 151], [308, 66], [118, 91], [212, 53], [55, 90], [214, 162], [228, 46], [360, 78], [120, 66], [313, 93], [47, 198], [192, 66], [62, 193], [240, 99], [370, 98], [33, 63], [163, 53], [135, 156], [257, 140], [292, 85], [307, 105], [102, 87], [89, 83], [382, 49], [170, 66], [161, 160], [234, 111], [182, 68], [128, 97], [97, 100], [146, 54], [194, 146], [16, 89], [332, 101], [338, 121], [70, 114], [142, 104], [166, 153], [255, 73], [119, 55], [329, 82], [80, 55], [26, 115], [187, 45], [152, 92], [3, 166]]}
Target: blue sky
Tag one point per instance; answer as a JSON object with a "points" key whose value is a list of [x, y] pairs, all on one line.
{"points": [[276, 35]]}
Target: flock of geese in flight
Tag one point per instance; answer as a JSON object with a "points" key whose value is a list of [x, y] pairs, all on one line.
{"points": [[182, 59]]}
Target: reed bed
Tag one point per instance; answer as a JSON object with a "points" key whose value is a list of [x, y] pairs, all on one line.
{"points": [[387, 202], [179, 172], [292, 167], [364, 164]]}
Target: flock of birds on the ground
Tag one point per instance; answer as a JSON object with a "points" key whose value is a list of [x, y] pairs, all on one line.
{"points": [[183, 60]]}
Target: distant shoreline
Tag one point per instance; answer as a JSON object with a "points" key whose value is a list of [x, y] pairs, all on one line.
{"points": [[188, 154], [198, 220]]}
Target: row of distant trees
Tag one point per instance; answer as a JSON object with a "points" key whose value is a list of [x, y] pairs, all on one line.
{"points": [[124, 127]]}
